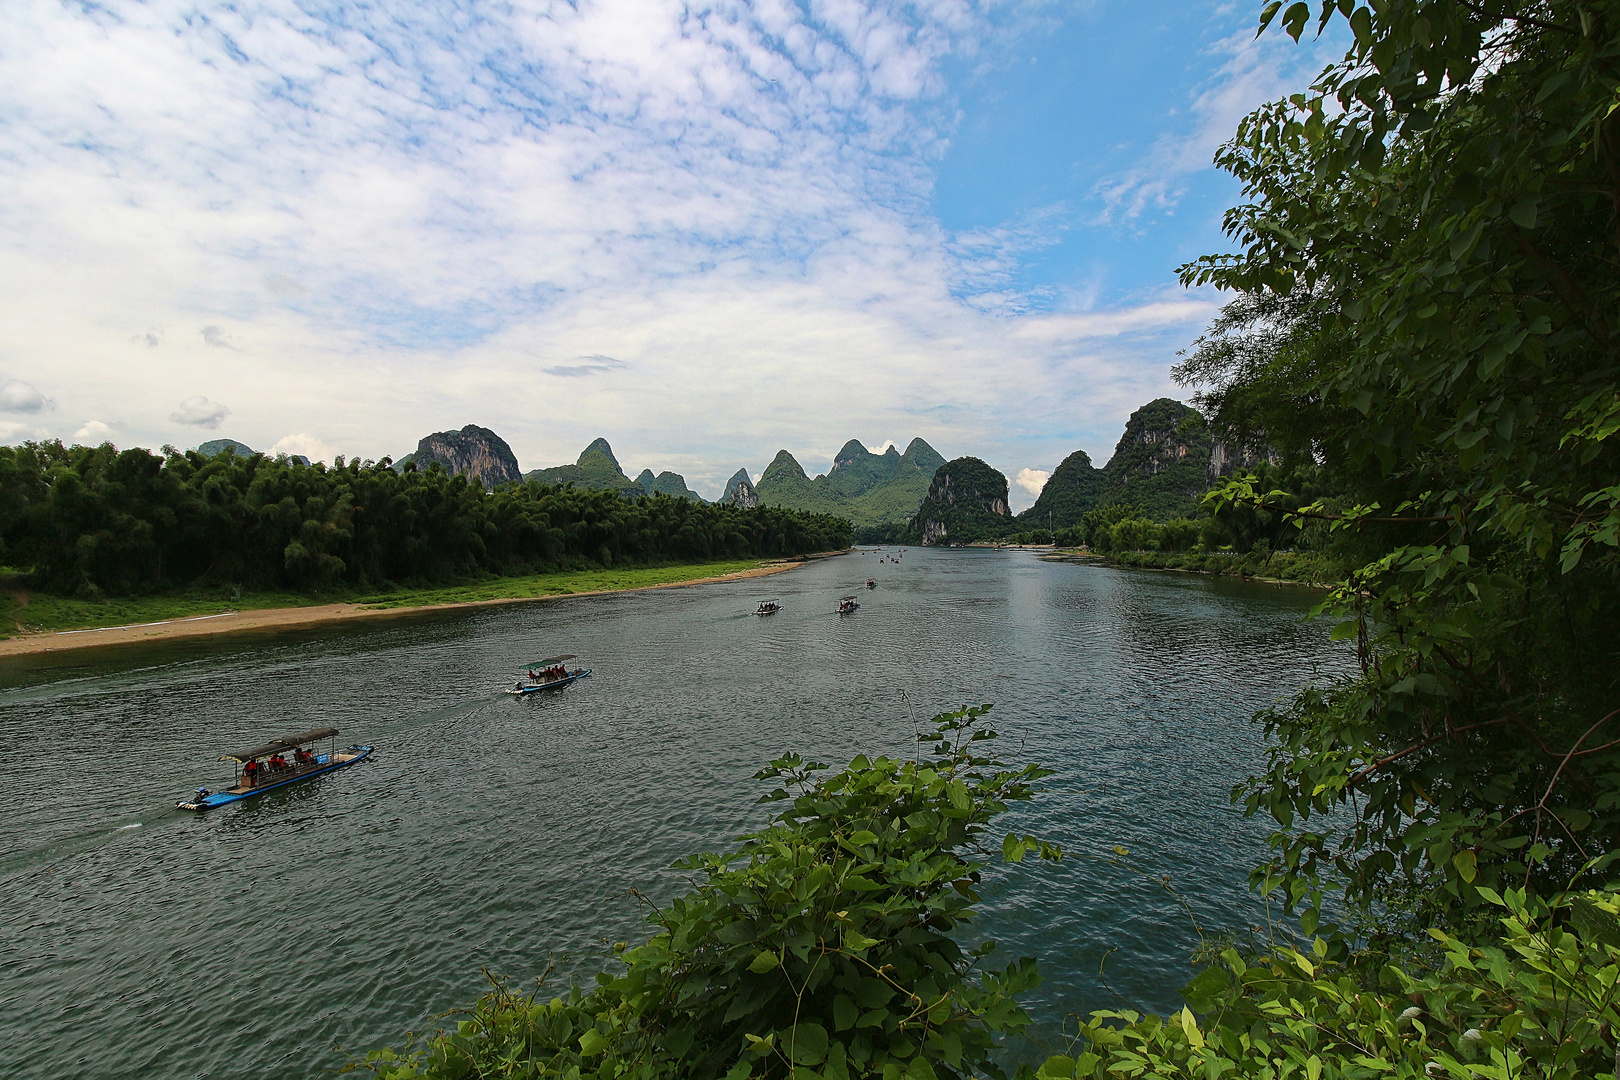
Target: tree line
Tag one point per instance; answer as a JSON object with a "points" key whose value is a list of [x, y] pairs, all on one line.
{"points": [[93, 521]]}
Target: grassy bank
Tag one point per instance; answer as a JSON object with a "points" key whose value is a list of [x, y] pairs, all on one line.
{"points": [[25, 611], [1306, 568]]}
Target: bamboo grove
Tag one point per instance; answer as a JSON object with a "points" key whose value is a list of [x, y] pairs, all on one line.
{"points": [[93, 521]]}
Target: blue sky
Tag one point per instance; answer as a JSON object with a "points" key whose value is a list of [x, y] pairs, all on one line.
{"points": [[704, 232]]}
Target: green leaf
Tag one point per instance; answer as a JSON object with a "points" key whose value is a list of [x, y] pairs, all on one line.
{"points": [[1467, 864], [1012, 849], [845, 1013], [1203, 992], [1524, 212], [806, 1043], [764, 961], [593, 1042], [1059, 1067], [920, 1069]]}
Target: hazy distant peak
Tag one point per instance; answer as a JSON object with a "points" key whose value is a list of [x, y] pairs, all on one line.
{"points": [[783, 466], [740, 491], [225, 446], [852, 451], [646, 479], [600, 446], [925, 457]]}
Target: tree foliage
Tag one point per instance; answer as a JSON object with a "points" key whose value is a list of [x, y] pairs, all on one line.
{"points": [[819, 948], [93, 520], [1428, 286], [1538, 1002]]}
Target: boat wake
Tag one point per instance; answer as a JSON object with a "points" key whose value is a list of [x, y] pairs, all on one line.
{"points": [[64, 847]]}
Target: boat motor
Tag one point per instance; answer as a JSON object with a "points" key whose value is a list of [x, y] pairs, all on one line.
{"points": [[202, 793]]}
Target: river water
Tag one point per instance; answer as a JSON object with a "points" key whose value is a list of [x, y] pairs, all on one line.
{"points": [[276, 937]]}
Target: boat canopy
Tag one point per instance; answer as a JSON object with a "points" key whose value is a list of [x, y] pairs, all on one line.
{"points": [[550, 660], [286, 742]]}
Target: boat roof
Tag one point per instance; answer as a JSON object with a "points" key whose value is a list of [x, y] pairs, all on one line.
{"points": [[770, 600], [551, 660], [286, 742], [851, 596]]}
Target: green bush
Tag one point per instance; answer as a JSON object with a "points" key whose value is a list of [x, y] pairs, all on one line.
{"points": [[1539, 1003], [819, 947]]}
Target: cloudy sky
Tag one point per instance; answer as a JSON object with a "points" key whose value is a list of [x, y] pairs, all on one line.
{"points": [[704, 231]]}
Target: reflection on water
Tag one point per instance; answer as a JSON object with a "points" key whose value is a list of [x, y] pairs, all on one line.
{"points": [[492, 832]]}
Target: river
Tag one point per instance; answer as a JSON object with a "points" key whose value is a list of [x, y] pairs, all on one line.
{"points": [[275, 937]]}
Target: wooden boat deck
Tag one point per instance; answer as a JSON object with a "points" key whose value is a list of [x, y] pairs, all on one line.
{"points": [[270, 779]]}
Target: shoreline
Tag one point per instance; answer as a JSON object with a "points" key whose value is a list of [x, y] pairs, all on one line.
{"points": [[317, 614], [1082, 558]]}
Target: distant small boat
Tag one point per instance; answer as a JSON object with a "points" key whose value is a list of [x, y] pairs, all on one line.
{"points": [[846, 605], [767, 607], [264, 768], [549, 674], [870, 584]]}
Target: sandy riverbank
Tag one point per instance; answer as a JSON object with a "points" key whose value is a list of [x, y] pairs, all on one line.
{"points": [[285, 618]]}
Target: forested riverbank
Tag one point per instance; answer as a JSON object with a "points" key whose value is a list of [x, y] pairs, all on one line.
{"points": [[160, 535]]}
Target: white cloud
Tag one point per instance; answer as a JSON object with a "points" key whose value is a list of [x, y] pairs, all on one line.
{"points": [[18, 396], [303, 445], [1097, 324], [93, 433], [594, 364], [200, 412], [1257, 70], [216, 337], [1032, 480]]}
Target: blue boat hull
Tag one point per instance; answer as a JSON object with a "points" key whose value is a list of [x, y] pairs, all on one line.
{"points": [[225, 798], [555, 684]]}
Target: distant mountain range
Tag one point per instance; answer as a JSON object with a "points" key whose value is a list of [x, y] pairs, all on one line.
{"points": [[596, 468], [869, 489], [1164, 461]]}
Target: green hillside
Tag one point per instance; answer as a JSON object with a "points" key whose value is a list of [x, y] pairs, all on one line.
{"points": [[869, 489], [667, 483], [1074, 487], [966, 501], [1162, 463], [596, 468]]}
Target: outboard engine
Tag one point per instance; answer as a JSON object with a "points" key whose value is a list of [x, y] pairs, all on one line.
{"points": [[202, 793]]}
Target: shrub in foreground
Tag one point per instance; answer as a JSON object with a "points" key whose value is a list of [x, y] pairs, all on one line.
{"points": [[1537, 1004]]}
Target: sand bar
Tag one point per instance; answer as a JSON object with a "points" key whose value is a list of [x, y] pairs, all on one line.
{"points": [[285, 618]]}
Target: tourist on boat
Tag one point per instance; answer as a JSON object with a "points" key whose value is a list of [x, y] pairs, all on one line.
{"points": [[250, 774]]}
